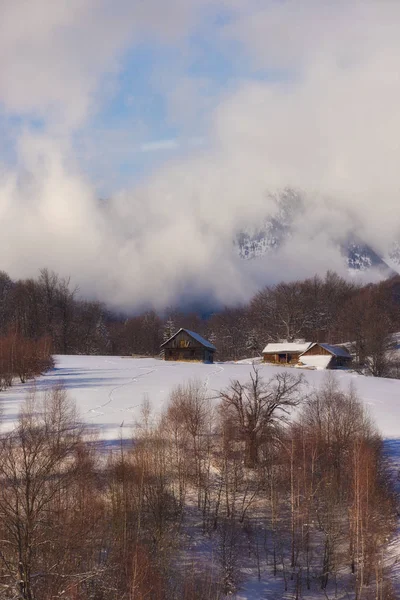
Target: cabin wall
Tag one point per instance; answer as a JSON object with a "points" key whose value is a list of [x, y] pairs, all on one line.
{"points": [[339, 361], [198, 354], [177, 354], [270, 358], [184, 347], [282, 358], [183, 341]]}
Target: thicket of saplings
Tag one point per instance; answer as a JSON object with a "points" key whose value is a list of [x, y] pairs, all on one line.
{"points": [[210, 488], [23, 358]]}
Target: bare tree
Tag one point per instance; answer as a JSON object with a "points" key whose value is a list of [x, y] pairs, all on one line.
{"points": [[341, 472], [189, 412], [35, 466], [257, 406]]}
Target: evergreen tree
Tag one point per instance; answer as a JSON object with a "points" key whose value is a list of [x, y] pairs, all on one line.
{"points": [[252, 343], [213, 338], [169, 329]]}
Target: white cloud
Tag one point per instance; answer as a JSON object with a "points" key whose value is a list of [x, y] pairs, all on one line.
{"points": [[157, 145], [54, 55], [330, 128]]}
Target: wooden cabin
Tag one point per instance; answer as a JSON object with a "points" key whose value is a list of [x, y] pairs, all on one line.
{"points": [[325, 356], [188, 345], [285, 353]]}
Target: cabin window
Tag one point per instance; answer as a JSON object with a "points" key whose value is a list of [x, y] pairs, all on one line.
{"points": [[285, 358]]}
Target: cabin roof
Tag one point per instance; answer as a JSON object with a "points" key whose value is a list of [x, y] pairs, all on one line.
{"points": [[286, 347], [317, 361], [334, 350], [195, 336]]}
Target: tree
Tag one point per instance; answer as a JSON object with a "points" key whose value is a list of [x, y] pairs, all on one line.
{"points": [[169, 329], [339, 469], [66, 306], [35, 467], [252, 344], [6, 286], [91, 331], [140, 335], [307, 309], [368, 321], [257, 406], [229, 328], [188, 416], [283, 314]]}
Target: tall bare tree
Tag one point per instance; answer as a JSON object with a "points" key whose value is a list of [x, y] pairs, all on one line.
{"points": [[257, 406], [36, 464]]}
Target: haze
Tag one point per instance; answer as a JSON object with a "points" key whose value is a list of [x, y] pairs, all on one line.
{"points": [[138, 139]]}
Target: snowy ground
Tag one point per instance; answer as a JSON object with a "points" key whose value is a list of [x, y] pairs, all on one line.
{"points": [[109, 390]]}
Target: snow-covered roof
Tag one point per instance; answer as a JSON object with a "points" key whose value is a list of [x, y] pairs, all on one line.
{"points": [[195, 336], [286, 347], [334, 350], [317, 361]]}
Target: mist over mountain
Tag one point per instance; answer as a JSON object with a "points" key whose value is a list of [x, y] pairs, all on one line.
{"points": [[273, 233], [232, 131]]}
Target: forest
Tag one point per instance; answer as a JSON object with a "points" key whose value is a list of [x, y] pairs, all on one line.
{"points": [[207, 493], [327, 309]]}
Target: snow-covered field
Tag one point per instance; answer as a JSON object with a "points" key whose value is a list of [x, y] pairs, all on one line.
{"points": [[110, 390]]}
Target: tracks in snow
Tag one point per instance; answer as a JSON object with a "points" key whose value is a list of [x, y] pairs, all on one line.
{"points": [[106, 407], [206, 383], [97, 410]]}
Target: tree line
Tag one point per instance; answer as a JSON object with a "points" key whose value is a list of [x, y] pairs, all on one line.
{"points": [[322, 309], [209, 490]]}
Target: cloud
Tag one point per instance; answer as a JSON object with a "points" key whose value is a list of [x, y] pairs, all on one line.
{"points": [[54, 55], [159, 145], [328, 126]]}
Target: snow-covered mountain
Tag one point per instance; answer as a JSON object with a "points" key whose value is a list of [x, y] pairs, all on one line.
{"points": [[273, 232], [359, 256]]}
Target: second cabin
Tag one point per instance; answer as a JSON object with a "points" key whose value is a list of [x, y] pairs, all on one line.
{"points": [[325, 356], [188, 345], [285, 353]]}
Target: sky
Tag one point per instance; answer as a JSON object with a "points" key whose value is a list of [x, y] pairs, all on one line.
{"points": [[139, 138]]}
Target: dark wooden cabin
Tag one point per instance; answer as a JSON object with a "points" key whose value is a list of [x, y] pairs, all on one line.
{"points": [[188, 345], [286, 353], [336, 356]]}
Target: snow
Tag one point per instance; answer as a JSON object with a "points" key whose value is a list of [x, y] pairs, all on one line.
{"points": [[250, 361], [317, 361], [392, 262], [287, 347], [109, 390]]}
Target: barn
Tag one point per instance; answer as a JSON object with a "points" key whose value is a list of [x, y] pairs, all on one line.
{"points": [[325, 356], [286, 353], [188, 345]]}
